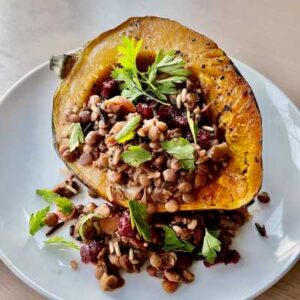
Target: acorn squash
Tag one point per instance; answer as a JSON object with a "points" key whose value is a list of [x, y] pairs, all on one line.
{"points": [[233, 105]]}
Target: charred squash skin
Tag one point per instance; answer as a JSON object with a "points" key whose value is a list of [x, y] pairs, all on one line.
{"points": [[232, 101]]}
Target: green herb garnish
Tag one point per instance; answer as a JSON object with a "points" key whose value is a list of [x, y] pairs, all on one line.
{"points": [[37, 220], [128, 131], [211, 245], [76, 137], [173, 243], [193, 126], [138, 216], [136, 83], [63, 204], [58, 240], [182, 150], [136, 155]]}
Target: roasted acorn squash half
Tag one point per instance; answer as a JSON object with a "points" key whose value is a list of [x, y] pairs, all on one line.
{"points": [[233, 105]]}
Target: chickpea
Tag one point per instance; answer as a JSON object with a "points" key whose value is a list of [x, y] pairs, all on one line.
{"points": [[85, 159], [108, 282], [67, 155], [92, 138], [155, 261], [144, 180], [88, 149], [153, 133], [169, 286], [171, 205], [103, 210], [169, 175], [51, 219], [103, 160], [114, 176], [85, 116], [73, 118], [74, 264], [185, 187], [172, 276], [159, 161], [89, 208], [188, 198]]}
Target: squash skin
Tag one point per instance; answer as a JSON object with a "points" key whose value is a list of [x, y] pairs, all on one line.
{"points": [[231, 98]]}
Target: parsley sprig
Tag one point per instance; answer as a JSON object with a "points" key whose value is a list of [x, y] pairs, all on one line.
{"points": [[63, 204], [173, 243], [138, 217], [182, 150], [135, 83], [58, 240], [211, 245], [37, 220]]}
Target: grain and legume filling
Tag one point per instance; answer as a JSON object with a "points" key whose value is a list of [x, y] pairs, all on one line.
{"points": [[159, 145], [150, 129]]}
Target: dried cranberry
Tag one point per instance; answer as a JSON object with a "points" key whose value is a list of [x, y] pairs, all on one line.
{"points": [[167, 113], [263, 197], [144, 110], [180, 121], [204, 138], [85, 254], [232, 256], [109, 88], [90, 251], [124, 225]]}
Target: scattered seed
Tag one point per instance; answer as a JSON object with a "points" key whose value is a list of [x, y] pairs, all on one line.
{"points": [[53, 229], [261, 230]]}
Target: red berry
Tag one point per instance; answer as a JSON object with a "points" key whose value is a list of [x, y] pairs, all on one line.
{"points": [[144, 110], [167, 113], [124, 225], [90, 251], [204, 138], [85, 254], [180, 121], [109, 88]]}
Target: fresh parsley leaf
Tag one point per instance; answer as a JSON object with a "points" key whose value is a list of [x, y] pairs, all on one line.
{"points": [[61, 241], [136, 83], [192, 125], [128, 131], [128, 51], [136, 155], [130, 87], [138, 216], [63, 204], [76, 137], [211, 245], [173, 243], [37, 220], [182, 150]]}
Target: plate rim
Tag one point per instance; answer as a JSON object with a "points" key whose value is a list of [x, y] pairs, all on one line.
{"points": [[38, 288]]}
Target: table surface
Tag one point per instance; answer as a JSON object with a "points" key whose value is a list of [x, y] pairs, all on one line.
{"points": [[264, 34]]}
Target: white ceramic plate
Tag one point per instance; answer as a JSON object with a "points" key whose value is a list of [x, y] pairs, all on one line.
{"points": [[28, 161]]}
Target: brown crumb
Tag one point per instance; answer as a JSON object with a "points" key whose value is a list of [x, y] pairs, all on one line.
{"points": [[74, 264], [261, 230], [93, 194]]}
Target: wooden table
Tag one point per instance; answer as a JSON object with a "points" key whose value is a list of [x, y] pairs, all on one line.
{"points": [[264, 34]]}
